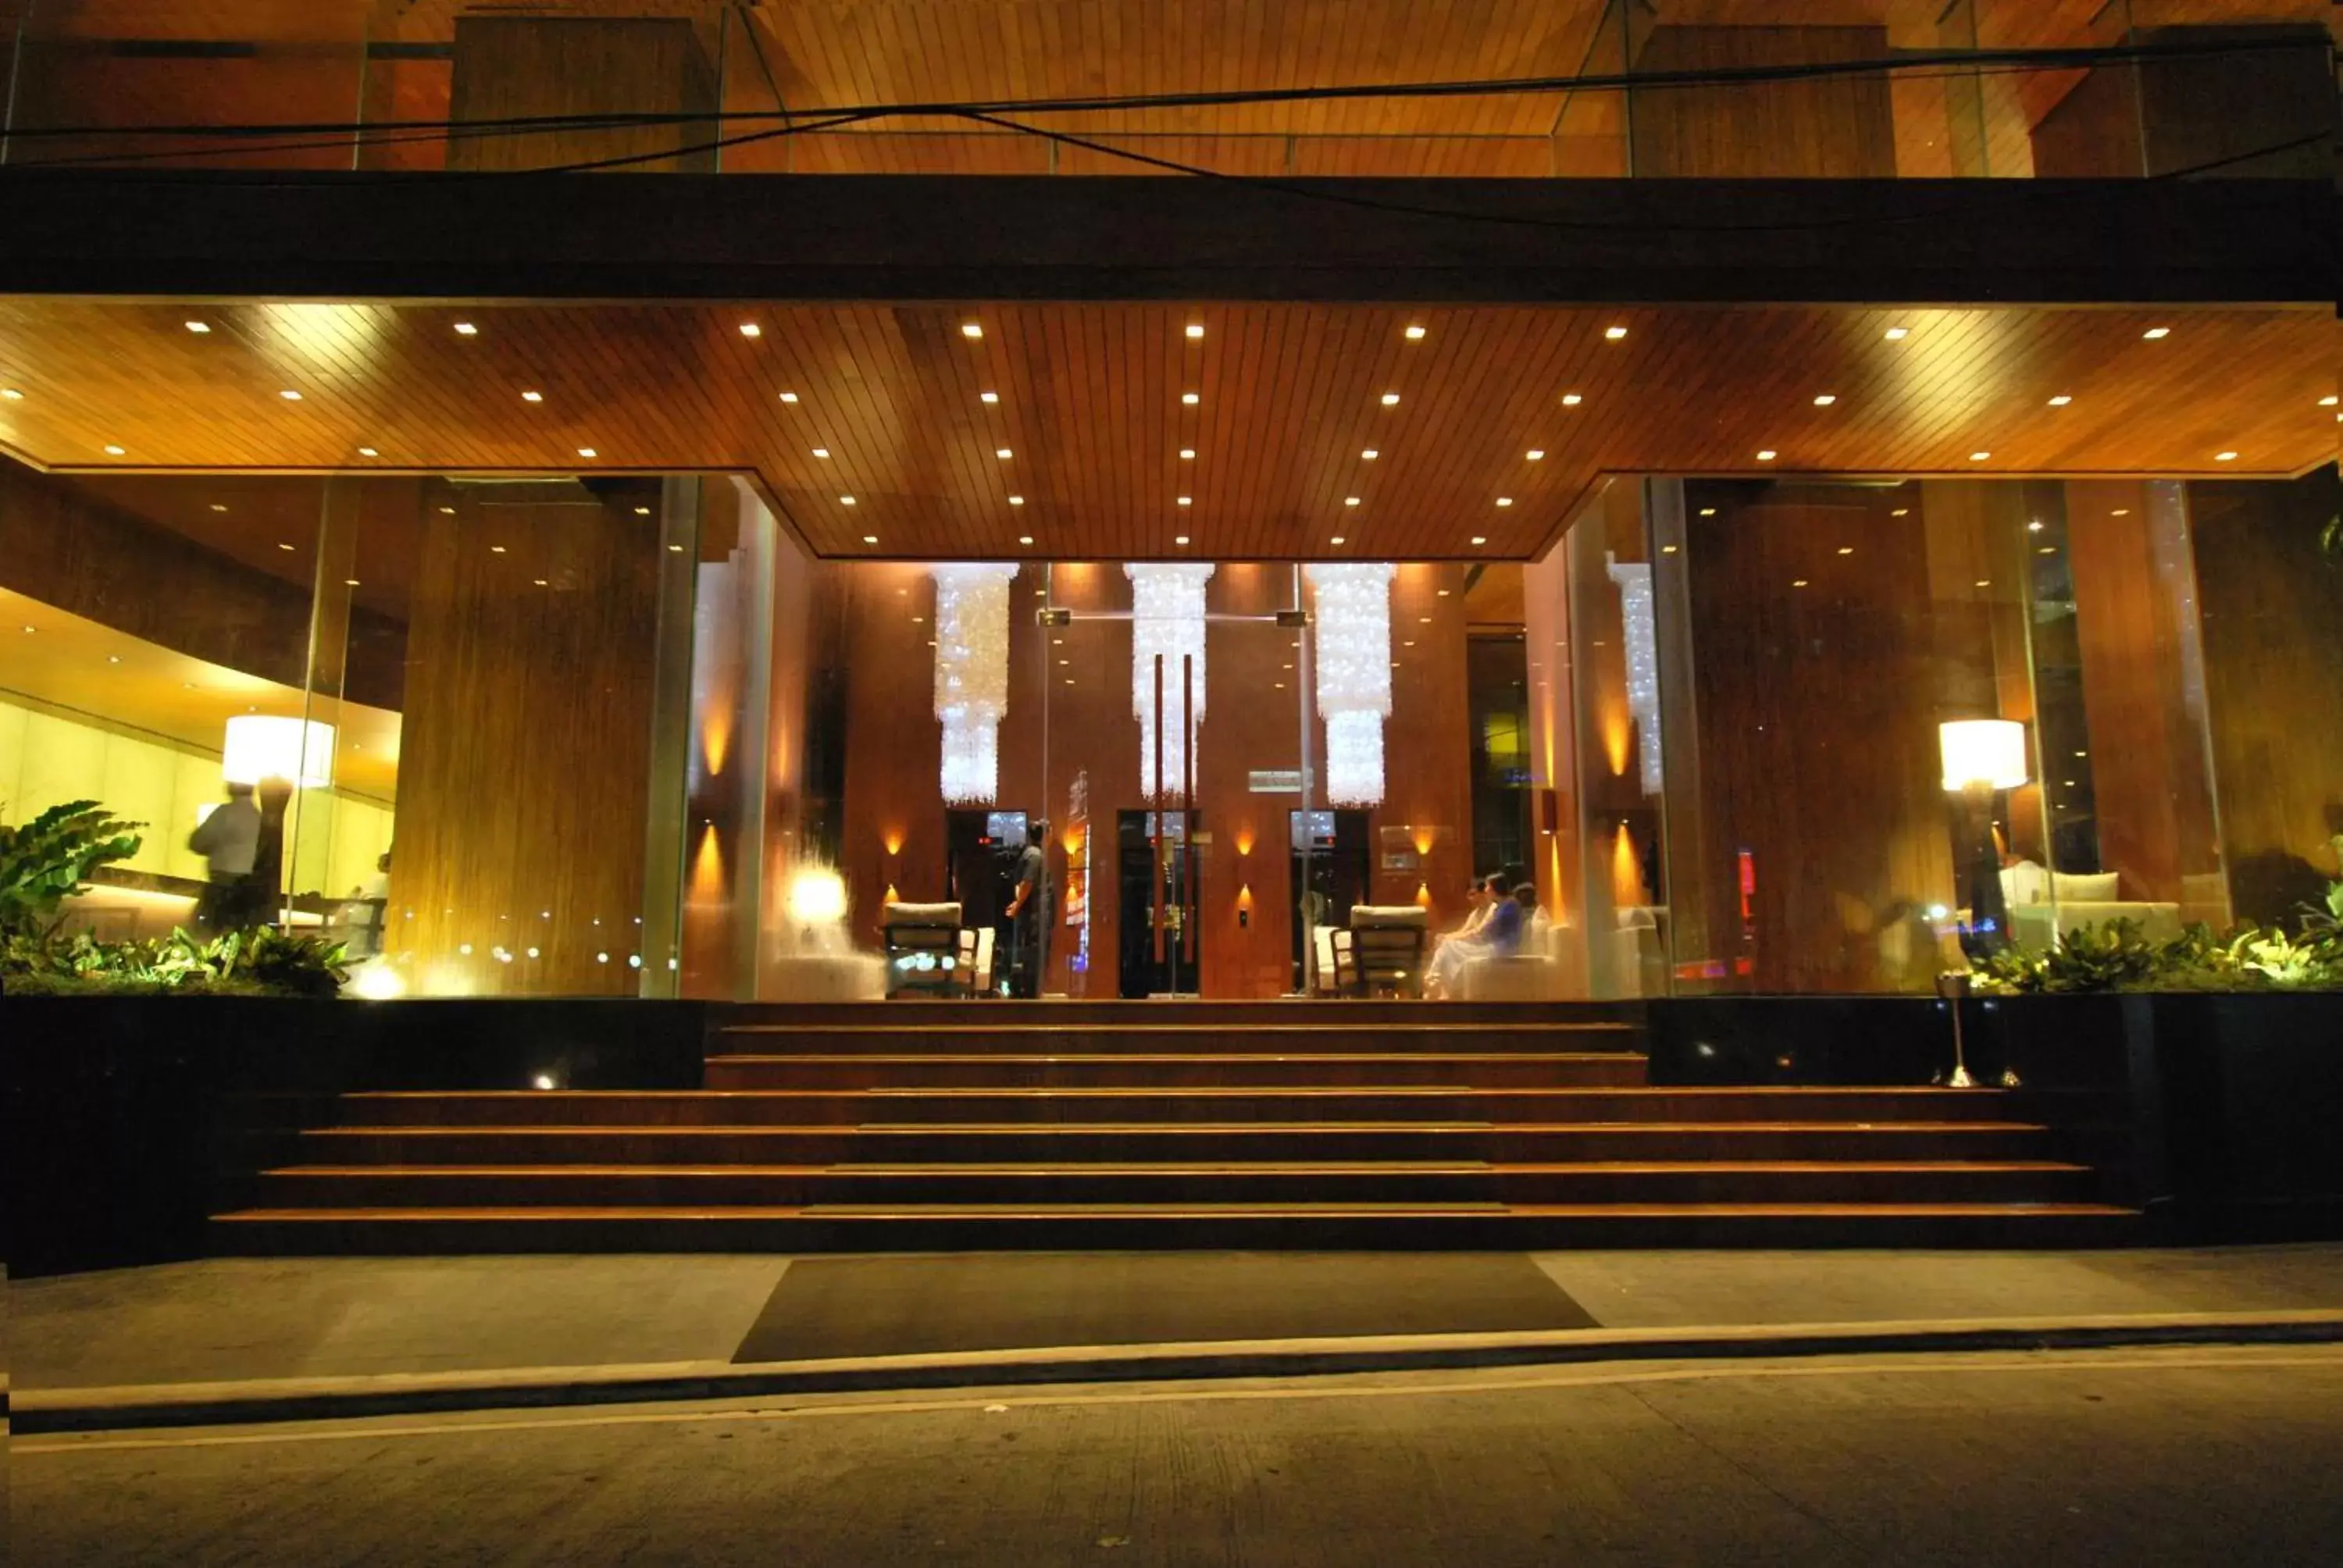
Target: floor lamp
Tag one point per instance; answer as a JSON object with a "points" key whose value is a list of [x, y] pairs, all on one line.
{"points": [[1982, 757]]}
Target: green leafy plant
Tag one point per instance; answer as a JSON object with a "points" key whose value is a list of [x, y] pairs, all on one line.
{"points": [[261, 961], [2117, 956], [45, 862]]}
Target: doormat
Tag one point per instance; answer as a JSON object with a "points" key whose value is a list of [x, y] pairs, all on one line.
{"points": [[831, 1307]]}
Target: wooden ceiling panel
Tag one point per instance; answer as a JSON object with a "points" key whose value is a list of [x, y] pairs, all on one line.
{"points": [[1091, 406]]}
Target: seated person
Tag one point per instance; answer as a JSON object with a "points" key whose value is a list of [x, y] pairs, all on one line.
{"points": [[1499, 936], [1478, 892]]}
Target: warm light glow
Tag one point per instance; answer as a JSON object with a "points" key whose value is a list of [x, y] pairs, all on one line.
{"points": [[817, 897], [1572, 399], [1024, 538], [114, 451], [1335, 540], [1627, 870], [532, 396], [466, 329], [2225, 457], [1504, 501], [971, 330], [1183, 501], [845, 500], [1824, 400], [1167, 618], [1990, 751], [200, 327], [1179, 540], [1369, 455], [1534, 454], [368, 452], [1195, 330], [1187, 454], [290, 396], [750, 329], [871, 538], [1190, 399], [1350, 500], [11, 394], [788, 396], [1002, 452], [1390, 399], [2060, 401], [822, 451], [1979, 457], [377, 982], [1897, 334], [1615, 333], [2153, 333], [1480, 538], [988, 397], [1415, 334], [262, 746], [1018, 501], [1767, 455], [587, 452]]}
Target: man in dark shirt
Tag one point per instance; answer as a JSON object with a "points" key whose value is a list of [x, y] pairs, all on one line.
{"points": [[1028, 913]]}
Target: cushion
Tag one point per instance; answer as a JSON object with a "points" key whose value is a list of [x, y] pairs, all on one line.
{"points": [[922, 914], [2024, 882], [1390, 915], [2099, 888]]}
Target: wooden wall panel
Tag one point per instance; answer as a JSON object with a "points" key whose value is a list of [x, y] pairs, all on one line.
{"points": [[724, 771], [892, 833], [1832, 127], [2155, 803], [1817, 742], [514, 66], [2271, 608], [525, 760]]}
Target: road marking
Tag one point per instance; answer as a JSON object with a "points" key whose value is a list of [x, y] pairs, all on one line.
{"points": [[2243, 1359]]}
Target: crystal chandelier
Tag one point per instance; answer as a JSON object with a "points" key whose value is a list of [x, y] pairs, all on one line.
{"points": [[971, 676], [1167, 618], [1634, 581], [1355, 689]]}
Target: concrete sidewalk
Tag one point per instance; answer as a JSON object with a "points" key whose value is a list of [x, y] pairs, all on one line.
{"points": [[233, 1320]]}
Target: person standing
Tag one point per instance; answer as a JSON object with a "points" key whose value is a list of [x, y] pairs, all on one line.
{"points": [[227, 839], [1029, 914]]}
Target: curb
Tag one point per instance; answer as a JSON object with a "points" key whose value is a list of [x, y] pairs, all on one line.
{"points": [[410, 1394]]}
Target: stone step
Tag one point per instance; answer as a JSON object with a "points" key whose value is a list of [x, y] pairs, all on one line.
{"points": [[1158, 1071], [923, 1012], [1435, 1031]]}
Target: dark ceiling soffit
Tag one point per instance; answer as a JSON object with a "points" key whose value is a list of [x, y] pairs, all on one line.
{"points": [[679, 237]]}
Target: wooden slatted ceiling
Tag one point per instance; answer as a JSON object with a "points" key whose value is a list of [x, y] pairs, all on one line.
{"points": [[1091, 406]]}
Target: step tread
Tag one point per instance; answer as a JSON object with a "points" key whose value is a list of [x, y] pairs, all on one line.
{"points": [[731, 1213], [1176, 1167], [1146, 1058], [1429, 1025], [1076, 1129], [1818, 1092]]}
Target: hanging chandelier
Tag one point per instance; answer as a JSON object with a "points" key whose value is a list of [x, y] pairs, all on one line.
{"points": [[971, 676], [1355, 689], [1167, 618], [1633, 581]]}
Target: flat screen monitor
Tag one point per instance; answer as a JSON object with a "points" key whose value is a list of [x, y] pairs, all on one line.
{"points": [[1312, 830], [1005, 830]]}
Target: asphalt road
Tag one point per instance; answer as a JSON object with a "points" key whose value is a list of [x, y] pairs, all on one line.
{"points": [[2159, 1457]]}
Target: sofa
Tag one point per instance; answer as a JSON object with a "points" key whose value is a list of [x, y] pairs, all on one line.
{"points": [[2042, 904]]}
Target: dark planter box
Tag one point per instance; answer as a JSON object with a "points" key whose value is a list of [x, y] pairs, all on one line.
{"points": [[131, 1119]]}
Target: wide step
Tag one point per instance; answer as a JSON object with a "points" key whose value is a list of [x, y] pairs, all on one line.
{"points": [[1135, 1070]]}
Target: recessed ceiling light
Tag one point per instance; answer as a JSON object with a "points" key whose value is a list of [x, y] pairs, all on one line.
{"points": [[200, 327], [788, 396], [642, 512], [1016, 500], [1797, 582], [1002, 452], [988, 397], [1572, 399], [11, 394], [493, 550], [845, 500], [1901, 512], [2156, 332], [822, 451], [1846, 550], [1408, 643], [1898, 334], [1708, 512], [368, 452], [2225, 457], [1667, 550], [1195, 330], [2328, 401], [1414, 334], [674, 550], [2035, 527], [1824, 399], [1615, 333], [466, 329], [1182, 500], [1480, 538], [290, 396], [1534, 454], [1425, 619], [1024, 538], [1767, 455], [1350, 500], [113, 659], [1187, 454], [750, 329], [2120, 512], [28, 631], [587, 452], [971, 330], [1504, 501], [1979, 457], [282, 545], [1985, 582], [1369, 455], [114, 451], [539, 581], [1337, 540], [219, 505], [1190, 399], [532, 396], [1443, 593], [351, 582], [2060, 401], [1390, 399], [2048, 550]]}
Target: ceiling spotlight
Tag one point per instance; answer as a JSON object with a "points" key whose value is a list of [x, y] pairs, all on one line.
{"points": [[1416, 335], [290, 396], [1390, 399], [1901, 512], [1187, 454], [1797, 582], [871, 538], [368, 452], [1337, 540], [1183, 501], [11, 394], [1615, 333], [1480, 538], [351, 582], [538, 582], [1195, 330], [1826, 399], [466, 329], [200, 327], [2328, 401], [1369, 455], [1979, 457], [1190, 399], [2035, 527], [114, 451], [1846, 550], [1667, 550], [1534, 454], [219, 505], [1767, 455], [532, 396], [1024, 538], [1504, 501], [2120, 512], [1985, 582], [750, 329], [1350, 500], [2225, 457], [1016, 500], [845, 500], [1708, 512], [2060, 401], [2048, 550], [788, 396], [586, 452], [1002, 452], [282, 545], [1180, 538], [1898, 334], [1572, 399], [988, 397], [822, 451], [2153, 333], [970, 329]]}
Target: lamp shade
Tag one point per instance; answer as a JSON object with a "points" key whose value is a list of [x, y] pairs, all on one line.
{"points": [[261, 746], [1989, 751]]}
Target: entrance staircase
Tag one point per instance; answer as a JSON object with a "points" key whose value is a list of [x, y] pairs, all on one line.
{"points": [[989, 1124]]}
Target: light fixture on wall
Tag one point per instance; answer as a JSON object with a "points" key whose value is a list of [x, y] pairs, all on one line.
{"points": [[971, 675], [1354, 666], [1167, 618], [262, 746]]}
